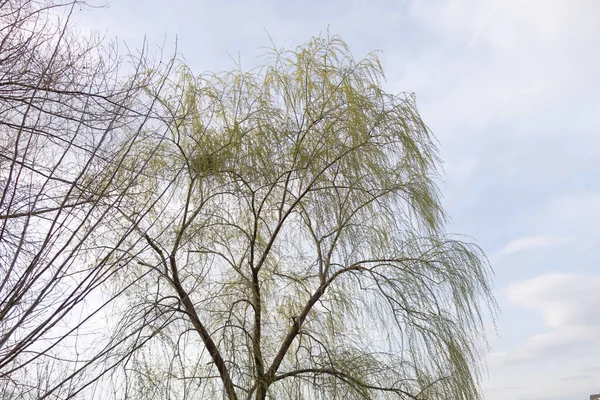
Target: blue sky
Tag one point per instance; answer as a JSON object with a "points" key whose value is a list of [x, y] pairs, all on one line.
{"points": [[511, 88]]}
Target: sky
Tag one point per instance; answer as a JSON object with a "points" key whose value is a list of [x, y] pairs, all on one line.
{"points": [[511, 89]]}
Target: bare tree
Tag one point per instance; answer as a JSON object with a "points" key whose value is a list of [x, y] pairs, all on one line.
{"points": [[290, 243], [67, 116]]}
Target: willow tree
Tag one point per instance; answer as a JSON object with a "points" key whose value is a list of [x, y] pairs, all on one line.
{"points": [[294, 242]]}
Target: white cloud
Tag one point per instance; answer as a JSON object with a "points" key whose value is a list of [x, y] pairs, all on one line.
{"points": [[546, 364], [564, 300], [500, 22], [528, 243], [498, 61]]}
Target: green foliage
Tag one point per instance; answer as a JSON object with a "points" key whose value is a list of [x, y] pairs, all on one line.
{"points": [[296, 206]]}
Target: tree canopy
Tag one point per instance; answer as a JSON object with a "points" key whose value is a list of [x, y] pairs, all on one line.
{"points": [[295, 233], [272, 233]]}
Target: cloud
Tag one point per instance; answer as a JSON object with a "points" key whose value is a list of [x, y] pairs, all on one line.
{"points": [[564, 300], [560, 361], [493, 62], [528, 243]]}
